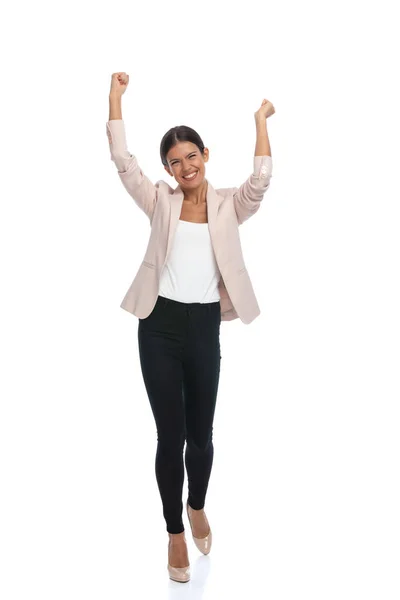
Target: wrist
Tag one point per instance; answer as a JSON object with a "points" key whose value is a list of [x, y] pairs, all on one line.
{"points": [[260, 120]]}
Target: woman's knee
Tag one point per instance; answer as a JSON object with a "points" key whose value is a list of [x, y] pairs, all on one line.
{"points": [[171, 441], [199, 443]]}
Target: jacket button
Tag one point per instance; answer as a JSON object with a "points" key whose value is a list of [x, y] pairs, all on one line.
{"points": [[264, 171]]}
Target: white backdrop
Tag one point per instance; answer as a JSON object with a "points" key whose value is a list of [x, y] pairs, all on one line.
{"points": [[304, 494]]}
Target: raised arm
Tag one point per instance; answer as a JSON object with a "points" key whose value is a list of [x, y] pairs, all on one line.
{"points": [[248, 196], [138, 186]]}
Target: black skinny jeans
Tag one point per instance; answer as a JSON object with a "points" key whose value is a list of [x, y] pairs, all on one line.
{"points": [[179, 350]]}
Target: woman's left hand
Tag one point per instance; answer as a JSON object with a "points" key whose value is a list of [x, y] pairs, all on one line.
{"points": [[266, 110]]}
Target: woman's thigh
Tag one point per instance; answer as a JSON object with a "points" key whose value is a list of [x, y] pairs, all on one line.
{"points": [[201, 371], [160, 352]]}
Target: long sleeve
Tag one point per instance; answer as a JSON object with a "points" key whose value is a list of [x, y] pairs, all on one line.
{"points": [[118, 146], [136, 183], [248, 196]]}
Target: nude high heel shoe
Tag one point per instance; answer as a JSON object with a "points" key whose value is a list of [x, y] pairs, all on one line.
{"points": [[180, 574], [203, 544]]}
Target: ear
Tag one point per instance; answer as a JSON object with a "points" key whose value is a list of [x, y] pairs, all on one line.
{"points": [[168, 171], [206, 154]]}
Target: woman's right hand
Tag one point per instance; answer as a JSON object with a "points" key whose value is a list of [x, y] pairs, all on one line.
{"points": [[119, 83]]}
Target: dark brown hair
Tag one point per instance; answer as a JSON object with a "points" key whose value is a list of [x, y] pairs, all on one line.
{"points": [[180, 133]]}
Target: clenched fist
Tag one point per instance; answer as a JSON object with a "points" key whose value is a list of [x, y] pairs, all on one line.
{"points": [[119, 83], [266, 110]]}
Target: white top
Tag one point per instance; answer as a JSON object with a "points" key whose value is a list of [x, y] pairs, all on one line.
{"points": [[191, 272]]}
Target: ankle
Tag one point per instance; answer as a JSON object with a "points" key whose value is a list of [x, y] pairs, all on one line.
{"points": [[177, 537], [198, 510]]}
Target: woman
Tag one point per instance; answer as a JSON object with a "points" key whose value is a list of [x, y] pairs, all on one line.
{"points": [[177, 296]]}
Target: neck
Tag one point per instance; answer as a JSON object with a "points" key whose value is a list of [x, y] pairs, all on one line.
{"points": [[198, 195]]}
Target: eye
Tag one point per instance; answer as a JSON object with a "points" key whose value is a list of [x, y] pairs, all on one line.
{"points": [[190, 156]]}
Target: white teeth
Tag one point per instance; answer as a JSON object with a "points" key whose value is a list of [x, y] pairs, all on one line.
{"points": [[191, 176]]}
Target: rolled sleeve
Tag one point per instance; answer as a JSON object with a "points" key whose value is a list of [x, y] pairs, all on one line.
{"points": [[262, 167], [136, 183], [120, 154], [248, 196]]}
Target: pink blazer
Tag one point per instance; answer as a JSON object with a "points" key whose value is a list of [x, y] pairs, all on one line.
{"points": [[227, 208]]}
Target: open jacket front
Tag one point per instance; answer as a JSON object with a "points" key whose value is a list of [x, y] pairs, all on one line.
{"points": [[227, 208]]}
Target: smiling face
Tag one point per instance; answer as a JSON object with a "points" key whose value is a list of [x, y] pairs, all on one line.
{"points": [[184, 159]]}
